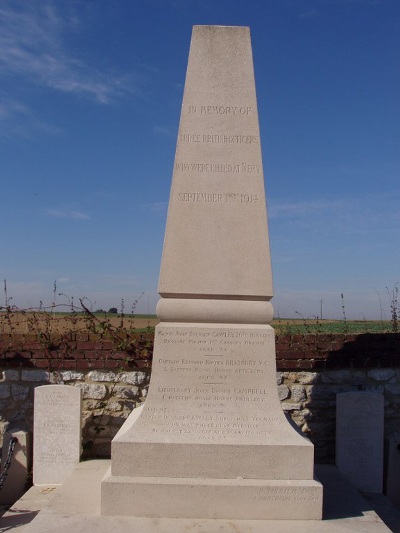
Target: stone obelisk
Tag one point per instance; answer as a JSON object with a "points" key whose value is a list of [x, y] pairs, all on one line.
{"points": [[212, 440]]}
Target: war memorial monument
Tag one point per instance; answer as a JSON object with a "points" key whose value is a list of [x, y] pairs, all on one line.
{"points": [[212, 440], [211, 450]]}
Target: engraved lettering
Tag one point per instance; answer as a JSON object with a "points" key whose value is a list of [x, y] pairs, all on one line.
{"points": [[237, 168], [218, 138], [226, 110], [199, 197]]}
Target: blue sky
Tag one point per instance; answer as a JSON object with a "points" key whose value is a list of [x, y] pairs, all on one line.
{"points": [[90, 98]]}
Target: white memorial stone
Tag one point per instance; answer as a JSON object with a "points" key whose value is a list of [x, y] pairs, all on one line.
{"points": [[212, 440], [56, 433], [359, 438]]}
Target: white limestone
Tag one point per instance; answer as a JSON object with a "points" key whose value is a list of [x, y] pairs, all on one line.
{"points": [[56, 434], [359, 438], [212, 440]]}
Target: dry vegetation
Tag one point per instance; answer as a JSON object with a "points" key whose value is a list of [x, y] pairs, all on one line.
{"points": [[36, 321]]}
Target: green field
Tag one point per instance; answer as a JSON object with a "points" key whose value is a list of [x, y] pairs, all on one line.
{"points": [[306, 326]]}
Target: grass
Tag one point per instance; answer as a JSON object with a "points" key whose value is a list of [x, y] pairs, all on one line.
{"points": [[313, 326], [45, 321], [62, 322]]}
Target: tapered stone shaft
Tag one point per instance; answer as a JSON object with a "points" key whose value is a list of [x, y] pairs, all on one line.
{"points": [[216, 241]]}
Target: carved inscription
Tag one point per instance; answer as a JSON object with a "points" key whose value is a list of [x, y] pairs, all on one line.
{"points": [[219, 110], [218, 138], [219, 372], [57, 432], [286, 494], [239, 168], [218, 198]]}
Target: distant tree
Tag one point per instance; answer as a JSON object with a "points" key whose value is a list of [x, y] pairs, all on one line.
{"points": [[113, 310], [100, 311]]}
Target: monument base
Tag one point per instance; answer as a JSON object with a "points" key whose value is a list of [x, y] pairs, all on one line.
{"points": [[240, 499], [211, 440]]}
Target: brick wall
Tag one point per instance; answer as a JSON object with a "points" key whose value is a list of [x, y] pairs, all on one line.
{"points": [[114, 377]]}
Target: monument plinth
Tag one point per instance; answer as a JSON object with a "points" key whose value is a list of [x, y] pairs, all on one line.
{"points": [[212, 440]]}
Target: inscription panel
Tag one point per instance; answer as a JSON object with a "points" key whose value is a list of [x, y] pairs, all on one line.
{"points": [[219, 110], [359, 438], [212, 166], [239, 168], [209, 138], [57, 433], [215, 384]]}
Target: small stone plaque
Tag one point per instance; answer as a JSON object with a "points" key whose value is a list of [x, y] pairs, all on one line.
{"points": [[57, 433], [359, 438]]}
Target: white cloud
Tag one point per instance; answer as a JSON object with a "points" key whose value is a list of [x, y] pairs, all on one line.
{"points": [[32, 48], [18, 120]]}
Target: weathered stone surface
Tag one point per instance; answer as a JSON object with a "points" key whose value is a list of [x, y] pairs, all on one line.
{"points": [[5, 391], [290, 406], [71, 375], [381, 374], [298, 393], [97, 375], [19, 392], [94, 391], [283, 392], [114, 406], [133, 378], [10, 375], [122, 391], [359, 439], [35, 375], [57, 433], [305, 378]]}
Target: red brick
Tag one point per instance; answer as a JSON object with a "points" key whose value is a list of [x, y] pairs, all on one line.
{"points": [[314, 354], [83, 364], [291, 355], [41, 363], [94, 354], [115, 364], [68, 364], [119, 356], [89, 345]]}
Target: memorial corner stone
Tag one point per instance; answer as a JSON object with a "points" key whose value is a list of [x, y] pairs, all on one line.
{"points": [[56, 433], [359, 438], [212, 440]]}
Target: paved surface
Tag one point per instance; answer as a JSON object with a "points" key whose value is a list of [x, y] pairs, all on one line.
{"points": [[75, 507]]}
